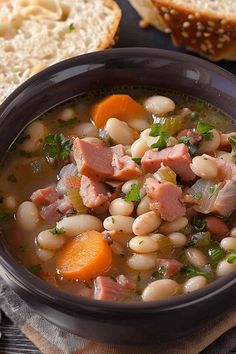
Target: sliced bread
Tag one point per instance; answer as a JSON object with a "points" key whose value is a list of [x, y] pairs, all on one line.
{"points": [[204, 26], [37, 33]]}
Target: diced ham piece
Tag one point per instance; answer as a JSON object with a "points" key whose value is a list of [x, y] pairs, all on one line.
{"points": [[125, 282], [194, 137], [165, 199], [108, 289], [124, 167], [168, 267], [49, 213], [44, 196], [225, 202], [93, 160], [65, 206], [176, 157], [93, 193]]}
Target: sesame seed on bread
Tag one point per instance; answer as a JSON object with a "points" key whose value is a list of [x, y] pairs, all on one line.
{"points": [[207, 27], [35, 34]]}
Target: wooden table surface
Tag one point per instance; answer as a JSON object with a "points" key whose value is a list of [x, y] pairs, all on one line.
{"points": [[12, 340]]}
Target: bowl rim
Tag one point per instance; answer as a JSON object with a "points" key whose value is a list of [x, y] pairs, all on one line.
{"points": [[72, 302]]}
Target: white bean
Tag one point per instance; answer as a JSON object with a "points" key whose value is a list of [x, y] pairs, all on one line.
{"points": [[66, 114], [36, 132], [119, 223], [44, 255], [143, 244], [210, 145], [194, 283], [120, 207], [224, 268], [27, 216], [139, 147], [228, 243], [138, 123], [126, 188], [196, 257], [178, 239], [176, 225], [47, 240], [142, 262], [144, 206], [85, 130], [204, 167], [223, 155], [120, 132], [146, 223], [93, 140], [10, 203], [76, 224], [159, 105], [145, 132], [233, 232], [160, 290]]}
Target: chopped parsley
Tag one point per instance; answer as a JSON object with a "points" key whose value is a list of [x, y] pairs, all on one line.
{"points": [[71, 27], [23, 248], [137, 160], [67, 123], [205, 130], [36, 268], [198, 195], [216, 253], [157, 131], [193, 148], [184, 139], [191, 271], [198, 224], [134, 194], [56, 146], [232, 256], [12, 178], [160, 273], [113, 220], [5, 216], [201, 239], [213, 189], [200, 105], [57, 230], [232, 141]]}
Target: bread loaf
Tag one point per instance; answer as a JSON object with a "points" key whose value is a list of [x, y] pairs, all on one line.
{"points": [[37, 33], [204, 26]]}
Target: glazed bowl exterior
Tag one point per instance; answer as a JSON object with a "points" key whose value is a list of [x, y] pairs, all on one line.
{"points": [[121, 323]]}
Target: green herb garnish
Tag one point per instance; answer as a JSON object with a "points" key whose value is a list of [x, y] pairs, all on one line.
{"points": [[194, 115], [57, 230], [113, 220], [201, 239], [5, 216], [12, 178], [36, 268], [184, 139], [137, 160], [200, 105], [56, 146], [67, 123], [23, 248], [71, 27], [232, 256], [198, 224], [232, 141], [216, 253], [198, 195], [205, 130], [162, 141], [156, 129], [134, 194], [160, 273], [191, 271], [213, 189]]}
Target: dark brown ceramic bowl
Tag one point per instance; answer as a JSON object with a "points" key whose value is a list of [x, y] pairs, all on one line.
{"points": [[107, 321]]}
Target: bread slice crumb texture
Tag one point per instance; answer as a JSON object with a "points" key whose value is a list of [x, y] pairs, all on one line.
{"points": [[35, 34]]}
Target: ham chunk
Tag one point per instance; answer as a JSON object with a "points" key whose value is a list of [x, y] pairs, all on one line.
{"points": [[168, 267], [65, 206], [44, 196], [165, 199], [93, 160], [176, 157], [111, 290], [124, 167], [50, 214], [225, 202], [93, 193]]}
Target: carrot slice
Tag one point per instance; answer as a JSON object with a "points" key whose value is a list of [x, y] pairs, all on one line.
{"points": [[122, 107], [85, 257]]}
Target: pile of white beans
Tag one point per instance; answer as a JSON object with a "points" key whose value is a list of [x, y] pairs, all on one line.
{"points": [[147, 230]]}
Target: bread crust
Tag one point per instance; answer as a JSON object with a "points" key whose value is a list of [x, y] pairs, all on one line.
{"points": [[111, 38]]}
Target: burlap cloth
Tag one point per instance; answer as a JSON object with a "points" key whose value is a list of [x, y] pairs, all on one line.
{"points": [[53, 340]]}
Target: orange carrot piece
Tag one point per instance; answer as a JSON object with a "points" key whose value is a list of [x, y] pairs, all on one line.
{"points": [[122, 107], [85, 257]]}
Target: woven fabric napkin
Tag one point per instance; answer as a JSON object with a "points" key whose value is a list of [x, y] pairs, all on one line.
{"points": [[53, 340]]}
